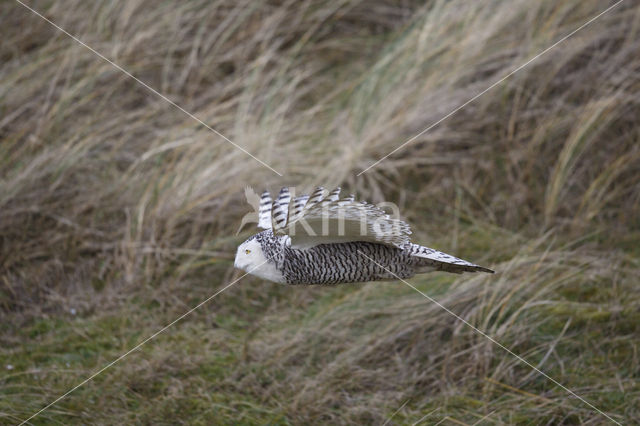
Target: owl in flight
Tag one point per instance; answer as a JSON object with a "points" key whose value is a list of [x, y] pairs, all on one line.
{"points": [[322, 239]]}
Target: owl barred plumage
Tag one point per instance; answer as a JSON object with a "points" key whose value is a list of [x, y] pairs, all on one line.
{"points": [[322, 239]]}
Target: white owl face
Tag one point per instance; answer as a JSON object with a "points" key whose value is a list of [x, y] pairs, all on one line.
{"points": [[250, 258], [249, 255]]}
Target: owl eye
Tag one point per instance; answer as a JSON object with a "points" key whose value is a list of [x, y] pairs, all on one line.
{"points": [[247, 251]]}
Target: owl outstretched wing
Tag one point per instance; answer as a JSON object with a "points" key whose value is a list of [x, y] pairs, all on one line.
{"points": [[323, 218]]}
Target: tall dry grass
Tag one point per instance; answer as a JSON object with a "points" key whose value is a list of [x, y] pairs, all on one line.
{"points": [[117, 205]]}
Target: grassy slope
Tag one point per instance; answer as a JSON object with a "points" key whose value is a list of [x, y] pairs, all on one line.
{"points": [[117, 212]]}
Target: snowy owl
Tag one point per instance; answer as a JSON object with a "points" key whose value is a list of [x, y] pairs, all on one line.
{"points": [[322, 239]]}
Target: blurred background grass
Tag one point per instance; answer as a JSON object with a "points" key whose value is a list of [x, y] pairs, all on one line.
{"points": [[118, 212]]}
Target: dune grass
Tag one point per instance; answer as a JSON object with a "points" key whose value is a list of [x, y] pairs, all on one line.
{"points": [[118, 212]]}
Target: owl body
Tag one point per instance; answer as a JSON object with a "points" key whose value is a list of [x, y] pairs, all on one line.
{"points": [[329, 263], [360, 243]]}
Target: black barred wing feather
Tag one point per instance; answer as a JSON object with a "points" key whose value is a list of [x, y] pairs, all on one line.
{"points": [[280, 210], [322, 218], [264, 213]]}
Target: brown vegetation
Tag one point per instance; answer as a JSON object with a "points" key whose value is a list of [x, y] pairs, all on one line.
{"points": [[118, 211]]}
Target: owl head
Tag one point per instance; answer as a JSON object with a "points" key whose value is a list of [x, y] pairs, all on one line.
{"points": [[250, 257]]}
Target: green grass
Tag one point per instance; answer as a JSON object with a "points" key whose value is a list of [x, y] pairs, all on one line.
{"points": [[118, 213]]}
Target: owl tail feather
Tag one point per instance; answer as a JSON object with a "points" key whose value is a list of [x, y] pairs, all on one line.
{"points": [[427, 260]]}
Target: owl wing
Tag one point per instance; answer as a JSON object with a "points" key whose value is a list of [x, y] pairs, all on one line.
{"points": [[324, 218]]}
